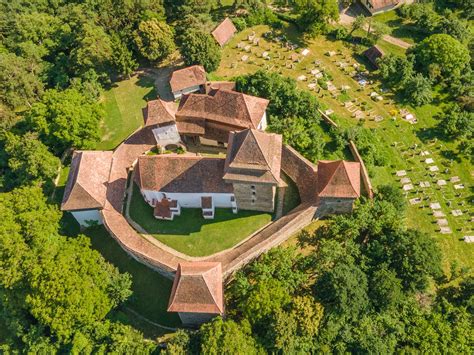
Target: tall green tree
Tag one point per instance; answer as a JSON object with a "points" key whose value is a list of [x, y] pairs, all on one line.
{"points": [[441, 55], [66, 119], [315, 15], [198, 47], [20, 81], [28, 160], [228, 337], [417, 90], [154, 39]]}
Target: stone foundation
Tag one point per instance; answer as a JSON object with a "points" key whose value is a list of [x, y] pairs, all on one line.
{"points": [[329, 205]]}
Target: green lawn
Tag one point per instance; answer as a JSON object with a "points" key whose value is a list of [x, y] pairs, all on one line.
{"points": [[123, 105], [193, 235], [386, 132], [399, 28]]}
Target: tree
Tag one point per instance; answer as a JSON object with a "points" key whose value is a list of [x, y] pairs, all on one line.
{"points": [[441, 53], [358, 23], [92, 51], [417, 90], [378, 30], [53, 288], [343, 289], [395, 70], [19, 85], [392, 194], [457, 123], [227, 337], [315, 15], [122, 57], [385, 288], [66, 119], [294, 331], [154, 39], [28, 160], [200, 48], [413, 255], [455, 27]]}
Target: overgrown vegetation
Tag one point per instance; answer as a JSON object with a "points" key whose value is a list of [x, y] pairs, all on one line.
{"points": [[366, 287]]}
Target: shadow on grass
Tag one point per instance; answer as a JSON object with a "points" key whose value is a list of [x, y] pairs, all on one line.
{"points": [[190, 221]]}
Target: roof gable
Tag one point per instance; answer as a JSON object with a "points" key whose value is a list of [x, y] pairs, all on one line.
{"points": [[225, 106], [86, 186], [339, 179], [159, 112], [224, 31], [254, 155], [197, 288], [187, 77]]}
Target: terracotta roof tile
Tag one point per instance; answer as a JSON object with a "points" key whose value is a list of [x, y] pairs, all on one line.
{"points": [[206, 202], [224, 106], [187, 77], [159, 112], [197, 288], [180, 173], [217, 85], [191, 127], [380, 4], [254, 156], [87, 181], [224, 31], [373, 53], [163, 208], [338, 179]]}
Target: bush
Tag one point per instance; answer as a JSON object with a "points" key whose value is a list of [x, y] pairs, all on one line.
{"points": [[340, 33], [239, 23]]}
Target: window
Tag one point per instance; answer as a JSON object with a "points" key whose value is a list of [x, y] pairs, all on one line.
{"points": [[253, 193], [252, 187]]}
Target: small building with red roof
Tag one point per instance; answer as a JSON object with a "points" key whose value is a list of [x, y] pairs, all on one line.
{"points": [[379, 6], [188, 80], [338, 185], [224, 32], [197, 294]]}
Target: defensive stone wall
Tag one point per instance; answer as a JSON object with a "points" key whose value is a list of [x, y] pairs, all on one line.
{"points": [[364, 174]]}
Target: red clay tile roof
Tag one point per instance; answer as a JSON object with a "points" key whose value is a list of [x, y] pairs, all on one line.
{"points": [[194, 127], [159, 112], [163, 208], [181, 173], [197, 288], [224, 31], [254, 156], [373, 53], [338, 179], [206, 202], [216, 85], [224, 106], [380, 4], [187, 77], [87, 181]]}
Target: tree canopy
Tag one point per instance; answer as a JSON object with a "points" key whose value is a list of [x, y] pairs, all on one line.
{"points": [[199, 47]]}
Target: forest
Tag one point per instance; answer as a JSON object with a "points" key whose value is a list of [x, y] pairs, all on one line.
{"points": [[365, 283]]}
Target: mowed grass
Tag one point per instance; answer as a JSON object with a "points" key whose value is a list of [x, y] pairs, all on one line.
{"points": [[395, 136], [193, 235], [123, 105]]}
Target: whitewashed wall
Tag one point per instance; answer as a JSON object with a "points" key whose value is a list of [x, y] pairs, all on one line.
{"points": [[188, 200], [179, 93], [88, 215], [263, 123]]}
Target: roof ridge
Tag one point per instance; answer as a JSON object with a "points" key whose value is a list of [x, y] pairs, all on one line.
{"points": [[348, 177], [261, 150], [208, 286]]}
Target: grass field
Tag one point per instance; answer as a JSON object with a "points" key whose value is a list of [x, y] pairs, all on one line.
{"points": [[193, 235], [123, 105], [396, 137]]}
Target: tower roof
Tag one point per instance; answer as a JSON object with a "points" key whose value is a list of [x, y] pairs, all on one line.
{"points": [[197, 288], [254, 156], [338, 179]]}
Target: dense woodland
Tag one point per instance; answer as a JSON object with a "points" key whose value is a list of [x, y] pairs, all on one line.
{"points": [[367, 285]]}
